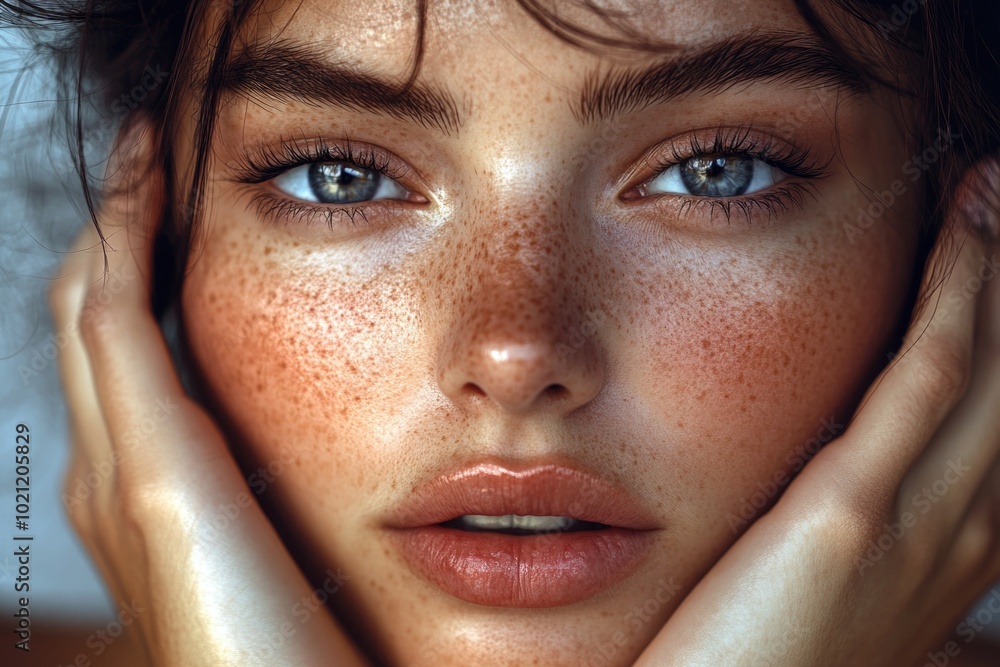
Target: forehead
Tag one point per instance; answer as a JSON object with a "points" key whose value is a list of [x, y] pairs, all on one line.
{"points": [[464, 36]]}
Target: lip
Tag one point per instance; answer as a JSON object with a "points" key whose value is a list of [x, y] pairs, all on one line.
{"points": [[501, 570]]}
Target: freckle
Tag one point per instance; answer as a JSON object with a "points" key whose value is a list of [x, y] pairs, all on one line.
{"points": [[680, 424], [705, 343], [268, 250]]}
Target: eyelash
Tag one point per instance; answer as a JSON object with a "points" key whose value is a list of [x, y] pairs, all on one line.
{"points": [[742, 140], [265, 163]]}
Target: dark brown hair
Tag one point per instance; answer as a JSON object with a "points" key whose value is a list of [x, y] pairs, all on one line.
{"points": [[944, 54]]}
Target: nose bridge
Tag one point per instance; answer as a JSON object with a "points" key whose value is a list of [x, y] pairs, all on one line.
{"points": [[512, 336], [525, 281]]}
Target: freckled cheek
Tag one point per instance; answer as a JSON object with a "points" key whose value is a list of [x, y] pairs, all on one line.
{"points": [[293, 356], [746, 368]]}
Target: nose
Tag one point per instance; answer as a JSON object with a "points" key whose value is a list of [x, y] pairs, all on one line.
{"points": [[514, 349]]}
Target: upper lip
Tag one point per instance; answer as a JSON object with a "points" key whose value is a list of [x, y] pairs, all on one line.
{"points": [[546, 489]]}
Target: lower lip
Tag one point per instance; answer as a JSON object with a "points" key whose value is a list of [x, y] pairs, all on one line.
{"points": [[546, 570]]}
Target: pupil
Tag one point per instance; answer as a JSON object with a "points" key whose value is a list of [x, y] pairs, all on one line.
{"points": [[716, 167], [344, 177]]}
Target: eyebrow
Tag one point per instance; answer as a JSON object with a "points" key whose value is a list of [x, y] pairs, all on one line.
{"points": [[788, 57], [285, 71]]}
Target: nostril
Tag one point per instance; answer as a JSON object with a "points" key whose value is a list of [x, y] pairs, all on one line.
{"points": [[556, 391], [474, 389]]}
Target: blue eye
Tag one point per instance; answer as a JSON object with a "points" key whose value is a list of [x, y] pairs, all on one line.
{"points": [[338, 182], [724, 175]]}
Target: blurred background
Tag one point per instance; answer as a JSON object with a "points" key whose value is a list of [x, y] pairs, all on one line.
{"points": [[40, 210]]}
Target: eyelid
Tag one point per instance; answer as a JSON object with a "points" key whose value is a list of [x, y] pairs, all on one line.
{"points": [[764, 172], [267, 161], [760, 144]]}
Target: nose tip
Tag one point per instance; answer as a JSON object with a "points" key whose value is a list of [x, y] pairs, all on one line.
{"points": [[518, 377], [522, 374]]}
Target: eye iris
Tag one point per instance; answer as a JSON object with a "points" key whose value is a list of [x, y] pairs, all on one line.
{"points": [[342, 183], [717, 175]]}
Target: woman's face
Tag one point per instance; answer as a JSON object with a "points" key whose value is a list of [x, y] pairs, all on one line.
{"points": [[545, 289]]}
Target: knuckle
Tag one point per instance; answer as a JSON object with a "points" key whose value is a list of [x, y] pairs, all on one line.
{"points": [[98, 320], [861, 520], [79, 510], [856, 513], [976, 548], [82, 521], [63, 299], [69, 281], [135, 503], [140, 498], [944, 369]]}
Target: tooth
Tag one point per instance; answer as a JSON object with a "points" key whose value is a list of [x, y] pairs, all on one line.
{"points": [[542, 522], [516, 522], [487, 522]]}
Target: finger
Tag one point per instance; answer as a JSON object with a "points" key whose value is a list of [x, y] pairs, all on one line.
{"points": [[970, 566], [74, 306], [911, 398], [135, 382], [66, 298], [974, 551], [89, 484], [965, 449]]}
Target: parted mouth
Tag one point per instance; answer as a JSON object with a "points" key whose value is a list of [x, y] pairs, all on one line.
{"points": [[525, 500], [516, 524], [503, 535]]}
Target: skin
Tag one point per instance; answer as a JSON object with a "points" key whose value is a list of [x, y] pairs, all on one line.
{"points": [[350, 364], [346, 355]]}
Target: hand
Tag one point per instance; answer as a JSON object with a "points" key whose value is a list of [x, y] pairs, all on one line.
{"points": [[892, 531], [199, 592]]}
